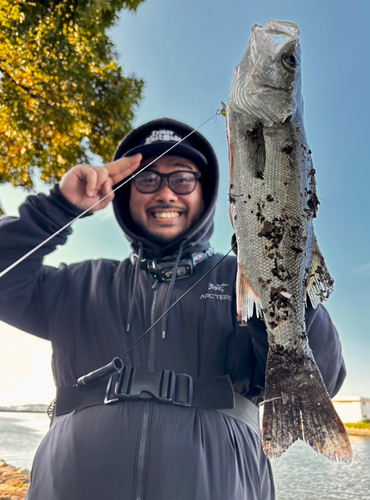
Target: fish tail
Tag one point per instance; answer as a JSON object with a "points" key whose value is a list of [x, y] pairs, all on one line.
{"points": [[246, 298], [297, 406]]}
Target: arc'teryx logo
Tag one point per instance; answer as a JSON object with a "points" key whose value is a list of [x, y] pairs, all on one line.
{"points": [[220, 287]]}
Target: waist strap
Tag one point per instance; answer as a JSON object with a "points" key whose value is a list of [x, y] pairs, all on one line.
{"points": [[163, 386], [244, 411]]}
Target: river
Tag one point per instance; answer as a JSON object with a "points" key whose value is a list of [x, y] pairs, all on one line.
{"points": [[301, 474]]}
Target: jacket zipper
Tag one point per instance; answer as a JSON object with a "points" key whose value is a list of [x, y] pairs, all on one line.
{"points": [[142, 453], [147, 406], [151, 357]]}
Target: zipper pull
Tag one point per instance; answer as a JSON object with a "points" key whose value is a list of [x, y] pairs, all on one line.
{"points": [[155, 284]]}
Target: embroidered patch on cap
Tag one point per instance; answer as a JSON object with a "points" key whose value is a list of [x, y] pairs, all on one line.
{"points": [[162, 135]]}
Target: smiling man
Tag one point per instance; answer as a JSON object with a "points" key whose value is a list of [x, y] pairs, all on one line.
{"points": [[166, 199], [180, 420]]}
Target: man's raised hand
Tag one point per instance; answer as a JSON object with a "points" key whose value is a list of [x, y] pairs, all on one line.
{"points": [[85, 185]]}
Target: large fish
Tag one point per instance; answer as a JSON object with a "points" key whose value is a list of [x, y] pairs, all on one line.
{"points": [[273, 202]]}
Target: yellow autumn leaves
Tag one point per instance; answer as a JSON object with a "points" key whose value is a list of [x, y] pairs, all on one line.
{"points": [[62, 91]]}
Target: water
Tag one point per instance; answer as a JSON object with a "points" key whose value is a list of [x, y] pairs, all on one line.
{"points": [[20, 435], [301, 474]]}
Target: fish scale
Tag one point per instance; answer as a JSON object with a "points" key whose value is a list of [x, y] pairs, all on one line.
{"points": [[273, 203]]}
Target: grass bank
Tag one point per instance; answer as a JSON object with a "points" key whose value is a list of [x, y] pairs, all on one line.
{"points": [[359, 428], [364, 424]]}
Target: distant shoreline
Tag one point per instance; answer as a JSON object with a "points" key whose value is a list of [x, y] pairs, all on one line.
{"points": [[356, 431], [41, 408], [25, 408]]}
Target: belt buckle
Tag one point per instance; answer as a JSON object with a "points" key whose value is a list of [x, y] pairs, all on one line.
{"points": [[111, 390], [139, 383], [190, 391]]}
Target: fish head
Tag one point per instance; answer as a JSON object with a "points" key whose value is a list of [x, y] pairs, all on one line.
{"points": [[267, 82]]}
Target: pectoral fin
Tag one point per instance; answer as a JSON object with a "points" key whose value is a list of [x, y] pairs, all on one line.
{"points": [[246, 298], [320, 283]]}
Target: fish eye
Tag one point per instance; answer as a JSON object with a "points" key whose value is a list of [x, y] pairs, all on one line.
{"points": [[290, 61]]}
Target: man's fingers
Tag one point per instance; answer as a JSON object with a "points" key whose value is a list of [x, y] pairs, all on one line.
{"points": [[106, 189], [123, 167], [85, 185], [94, 177], [103, 176], [91, 177]]}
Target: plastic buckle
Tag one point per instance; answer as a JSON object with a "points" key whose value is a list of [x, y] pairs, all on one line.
{"points": [[190, 391], [111, 390], [162, 269], [139, 383]]}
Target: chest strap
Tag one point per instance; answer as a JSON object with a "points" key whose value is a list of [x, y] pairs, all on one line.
{"points": [[162, 386]]}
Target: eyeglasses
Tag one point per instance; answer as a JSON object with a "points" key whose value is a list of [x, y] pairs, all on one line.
{"points": [[180, 182]]}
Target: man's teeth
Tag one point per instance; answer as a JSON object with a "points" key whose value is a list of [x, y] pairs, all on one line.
{"points": [[166, 215]]}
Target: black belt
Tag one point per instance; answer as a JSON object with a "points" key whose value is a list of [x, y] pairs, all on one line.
{"points": [[162, 386]]}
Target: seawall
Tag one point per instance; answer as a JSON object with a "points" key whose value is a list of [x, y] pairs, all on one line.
{"points": [[355, 431]]}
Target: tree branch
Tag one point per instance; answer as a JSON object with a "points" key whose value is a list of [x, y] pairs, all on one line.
{"points": [[26, 89]]}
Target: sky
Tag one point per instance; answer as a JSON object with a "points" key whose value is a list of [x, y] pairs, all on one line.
{"points": [[186, 51]]}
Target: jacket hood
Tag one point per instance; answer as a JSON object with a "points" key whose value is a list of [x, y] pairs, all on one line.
{"points": [[199, 150]]}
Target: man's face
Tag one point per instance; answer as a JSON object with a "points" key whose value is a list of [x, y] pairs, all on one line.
{"points": [[164, 216]]}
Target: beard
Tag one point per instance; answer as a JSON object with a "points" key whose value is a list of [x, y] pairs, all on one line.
{"points": [[158, 238]]}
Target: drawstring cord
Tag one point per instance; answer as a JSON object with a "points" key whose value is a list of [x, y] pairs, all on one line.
{"points": [[173, 305], [170, 288], [113, 366], [136, 283]]}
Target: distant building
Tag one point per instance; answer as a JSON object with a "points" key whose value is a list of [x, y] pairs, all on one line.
{"points": [[352, 408]]}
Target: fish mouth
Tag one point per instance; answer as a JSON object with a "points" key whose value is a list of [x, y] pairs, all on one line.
{"points": [[269, 87]]}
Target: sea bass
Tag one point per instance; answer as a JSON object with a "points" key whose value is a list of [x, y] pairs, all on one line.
{"points": [[273, 202]]}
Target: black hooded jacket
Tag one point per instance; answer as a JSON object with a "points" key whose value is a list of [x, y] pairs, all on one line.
{"points": [[142, 450]]}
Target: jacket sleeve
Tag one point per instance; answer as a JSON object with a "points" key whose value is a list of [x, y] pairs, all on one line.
{"points": [[324, 342], [28, 290]]}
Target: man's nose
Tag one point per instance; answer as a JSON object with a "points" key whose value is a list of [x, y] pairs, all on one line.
{"points": [[165, 193]]}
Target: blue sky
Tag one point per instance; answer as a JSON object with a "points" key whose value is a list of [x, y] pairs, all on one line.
{"points": [[186, 52]]}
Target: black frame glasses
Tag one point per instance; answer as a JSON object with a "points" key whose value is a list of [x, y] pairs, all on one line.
{"points": [[175, 181]]}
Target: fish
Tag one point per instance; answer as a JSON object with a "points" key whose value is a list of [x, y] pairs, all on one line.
{"points": [[273, 201]]}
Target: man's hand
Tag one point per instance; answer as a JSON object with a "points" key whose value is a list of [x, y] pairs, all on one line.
{"points": [[85, 185]]}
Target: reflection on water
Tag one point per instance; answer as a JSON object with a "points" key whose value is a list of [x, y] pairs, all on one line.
{"points": [[20, 436], [301, 474]]}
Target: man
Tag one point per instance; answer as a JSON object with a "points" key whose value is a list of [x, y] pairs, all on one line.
{"points": [[143, 437]]}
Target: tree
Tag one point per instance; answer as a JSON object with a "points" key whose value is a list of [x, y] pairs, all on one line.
{"points": [[62, 92]]}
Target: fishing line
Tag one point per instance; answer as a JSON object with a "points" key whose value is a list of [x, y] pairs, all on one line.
{"points": [[269, 400], [113, 366], [12, 266], [176, 302]]}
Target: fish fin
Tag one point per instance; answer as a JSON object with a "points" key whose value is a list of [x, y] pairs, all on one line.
{"points": [[297, 406], [320, 284], [246, 298]]}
